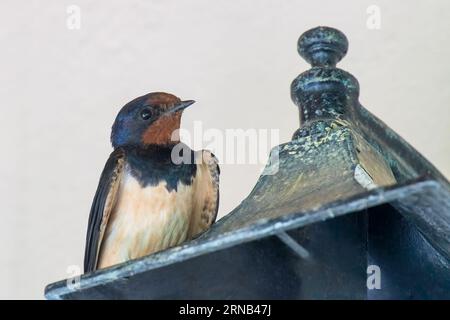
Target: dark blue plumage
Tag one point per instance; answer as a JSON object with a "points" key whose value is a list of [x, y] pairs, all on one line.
{"points": [[128, 127], [154, 164]]}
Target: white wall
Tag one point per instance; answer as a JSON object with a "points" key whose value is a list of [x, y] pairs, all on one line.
{"points": [[60, 90]]}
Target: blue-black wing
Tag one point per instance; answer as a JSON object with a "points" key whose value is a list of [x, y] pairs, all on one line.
{"points": [[103, 203]]}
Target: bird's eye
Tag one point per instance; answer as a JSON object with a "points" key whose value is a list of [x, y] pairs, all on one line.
{"points": [[146, 114]]}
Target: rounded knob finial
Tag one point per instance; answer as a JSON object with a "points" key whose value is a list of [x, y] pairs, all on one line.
{"points": [[322, 46]]}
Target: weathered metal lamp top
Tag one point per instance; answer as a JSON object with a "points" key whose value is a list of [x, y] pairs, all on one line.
{"points": [[324, 91]]}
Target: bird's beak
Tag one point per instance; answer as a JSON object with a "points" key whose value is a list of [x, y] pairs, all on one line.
{"points": [[180, 106]]}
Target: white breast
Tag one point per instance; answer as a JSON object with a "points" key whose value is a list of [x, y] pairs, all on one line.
{"points": [[145, 220]]}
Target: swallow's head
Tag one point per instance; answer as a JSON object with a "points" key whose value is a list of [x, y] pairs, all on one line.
{"points": [[153, 119]]}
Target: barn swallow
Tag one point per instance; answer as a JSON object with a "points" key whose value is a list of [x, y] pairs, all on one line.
{"points": [[146, 202]]}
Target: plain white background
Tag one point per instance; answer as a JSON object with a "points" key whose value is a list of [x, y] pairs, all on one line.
{"points": [[60, 90]]}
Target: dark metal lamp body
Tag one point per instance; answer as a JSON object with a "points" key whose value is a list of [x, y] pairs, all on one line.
{"points": [[345, 195]]}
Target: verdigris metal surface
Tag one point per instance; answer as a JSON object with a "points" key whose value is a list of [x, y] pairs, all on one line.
{"points": [[342, 160], [410, 267]]}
